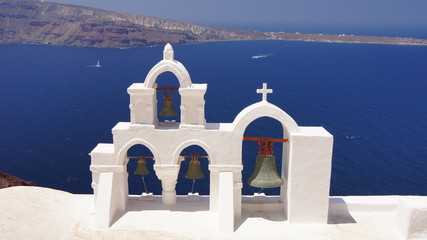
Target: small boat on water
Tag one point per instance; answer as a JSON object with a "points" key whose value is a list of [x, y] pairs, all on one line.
{"points": [[97, 64], [261, 56]]}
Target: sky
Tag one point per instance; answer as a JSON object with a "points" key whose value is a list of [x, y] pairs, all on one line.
{"points": [[275, 13]]}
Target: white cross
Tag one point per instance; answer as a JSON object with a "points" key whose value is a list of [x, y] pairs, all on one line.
{"points": [[264, 91]]}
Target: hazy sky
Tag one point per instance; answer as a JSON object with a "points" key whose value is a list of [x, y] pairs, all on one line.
{"points": [[234, 12]]}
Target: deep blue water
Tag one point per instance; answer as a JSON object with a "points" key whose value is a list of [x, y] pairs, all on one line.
{"points": [[372, 98]]}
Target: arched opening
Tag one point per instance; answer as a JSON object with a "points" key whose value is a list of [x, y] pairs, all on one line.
{"points": [[262, 127], [265, 202], [136, 181], [167, 87], [185, 184]]}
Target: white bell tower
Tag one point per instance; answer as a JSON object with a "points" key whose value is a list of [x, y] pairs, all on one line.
{"points": [[306, 158], [143, 101]]}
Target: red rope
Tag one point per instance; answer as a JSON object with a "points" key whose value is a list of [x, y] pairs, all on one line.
{"points": [[265, 144], [165, 95]]}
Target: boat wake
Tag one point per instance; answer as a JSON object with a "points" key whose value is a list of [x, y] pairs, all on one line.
{"points": [[262, 56]]}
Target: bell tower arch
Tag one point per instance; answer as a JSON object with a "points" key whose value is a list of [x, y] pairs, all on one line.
{"points": [[143, 102]]}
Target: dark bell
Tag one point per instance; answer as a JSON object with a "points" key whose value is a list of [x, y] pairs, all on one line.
{"points": [[167, 110], [194, 171], [265, 174], [141, 168]]}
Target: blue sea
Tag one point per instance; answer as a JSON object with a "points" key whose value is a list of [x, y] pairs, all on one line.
{"points": [[55, 108]]}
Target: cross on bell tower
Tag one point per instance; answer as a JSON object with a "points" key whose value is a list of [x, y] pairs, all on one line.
{"points": [[264, 91]]}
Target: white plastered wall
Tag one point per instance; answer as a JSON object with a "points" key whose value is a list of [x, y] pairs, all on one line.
{"points": [[306, 160]]}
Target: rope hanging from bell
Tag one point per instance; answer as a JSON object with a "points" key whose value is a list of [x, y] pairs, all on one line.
{"points": [[167, 110]]}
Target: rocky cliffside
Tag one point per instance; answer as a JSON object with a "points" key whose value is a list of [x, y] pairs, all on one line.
{"points": [[36, 22], [30, 21], [7, 180]]}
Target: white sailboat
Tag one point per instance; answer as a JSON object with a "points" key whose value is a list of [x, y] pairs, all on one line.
{"points": [[97, 64]]}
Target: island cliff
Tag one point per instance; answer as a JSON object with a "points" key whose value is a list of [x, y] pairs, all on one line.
{"points": [[37, 22], [7, 180]]}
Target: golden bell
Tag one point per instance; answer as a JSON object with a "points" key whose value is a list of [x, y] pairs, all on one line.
{"points": [[167, 110], [194, 171], [265, 174], [141, 167]]}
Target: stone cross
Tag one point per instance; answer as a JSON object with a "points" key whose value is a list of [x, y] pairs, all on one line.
{"points": [[264, 91]]}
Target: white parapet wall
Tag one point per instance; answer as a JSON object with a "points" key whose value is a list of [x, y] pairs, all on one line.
{"points": [[412, 217], [409, 212], [43, 213]]}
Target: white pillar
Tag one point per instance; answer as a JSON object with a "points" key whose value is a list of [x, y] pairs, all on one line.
{"points": [[110, 202], [124, 191], [193, 105], [168, 174], [111, 197], [213, 190], [101, 155], [309, 176], [238, 199], [226, 202], [168, 191], [103, 213], [236, 185], [143, 104]]}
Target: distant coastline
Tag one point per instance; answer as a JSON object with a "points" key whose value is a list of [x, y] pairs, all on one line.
{"points": [[36, 22]]}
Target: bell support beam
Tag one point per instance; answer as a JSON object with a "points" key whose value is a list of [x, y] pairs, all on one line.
{"points": [[195, 155], [167, 88], [265, 144], [258, 139], [137, 157]]}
